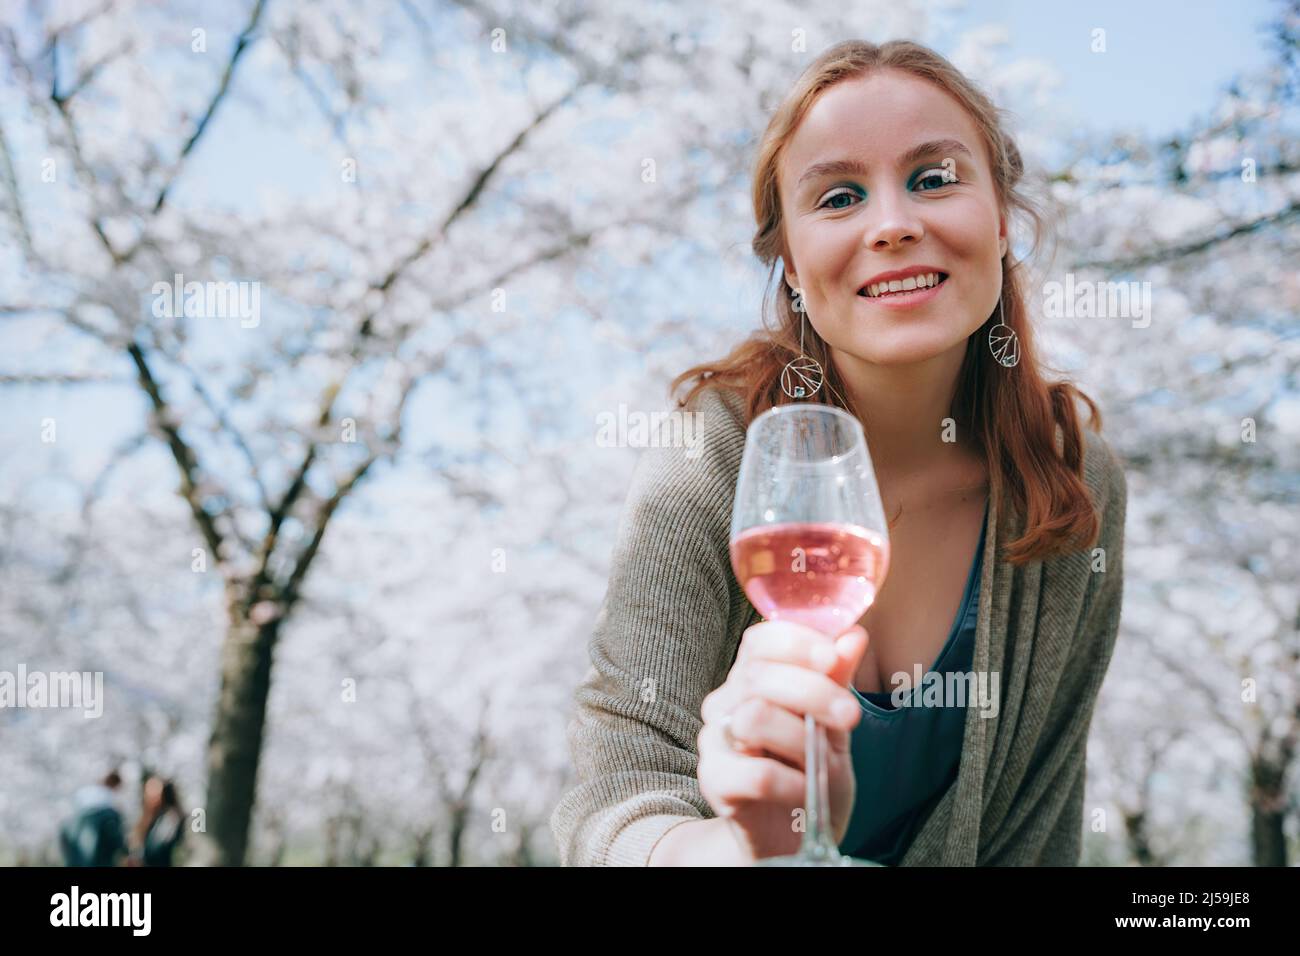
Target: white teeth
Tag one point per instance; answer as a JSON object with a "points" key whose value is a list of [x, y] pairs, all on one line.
{"points": [[926, 281]]}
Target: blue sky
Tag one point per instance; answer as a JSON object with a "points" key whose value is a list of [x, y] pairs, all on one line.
{"points": [[1165, 60]]}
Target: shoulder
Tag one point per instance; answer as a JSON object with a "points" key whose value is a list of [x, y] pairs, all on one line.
{"points": [[1103, 472], [721, 415], [698, 445], [1104, 475], [687, 471]]}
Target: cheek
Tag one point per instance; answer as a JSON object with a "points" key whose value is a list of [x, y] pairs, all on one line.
{"points": [[971, 231], [816, 257], [803, 250], [815, 243]]}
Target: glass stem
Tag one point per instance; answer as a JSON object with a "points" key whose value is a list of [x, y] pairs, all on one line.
{"points": [[818, 843]]}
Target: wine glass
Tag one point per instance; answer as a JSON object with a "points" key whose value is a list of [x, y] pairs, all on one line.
{"points": [[809, 544]]}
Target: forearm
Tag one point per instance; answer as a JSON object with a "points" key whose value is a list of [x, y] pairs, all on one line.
{"points": [[709, 842]]}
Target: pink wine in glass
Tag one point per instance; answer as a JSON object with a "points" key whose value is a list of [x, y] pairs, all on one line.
{"points": [[823, 575]]}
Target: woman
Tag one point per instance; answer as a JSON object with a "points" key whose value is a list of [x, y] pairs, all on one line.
{"points": [[162, 824], [885, 184]]}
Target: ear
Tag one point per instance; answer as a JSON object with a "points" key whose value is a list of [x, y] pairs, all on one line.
{"points": [[791, 278], [1003, 242]]}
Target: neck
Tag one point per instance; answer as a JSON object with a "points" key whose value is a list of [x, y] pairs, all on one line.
{"points": [[902, 409]]}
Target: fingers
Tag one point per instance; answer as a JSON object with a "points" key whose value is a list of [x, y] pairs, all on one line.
{"points": [[780, 642], [787, 642], [763, 728], [850, 649], [797, 689], [728, 778]]}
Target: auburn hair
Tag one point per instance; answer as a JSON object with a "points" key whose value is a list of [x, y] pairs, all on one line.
{"points": [[1014, 412]]}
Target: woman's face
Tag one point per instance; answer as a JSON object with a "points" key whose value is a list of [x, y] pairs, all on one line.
{"points": [[920, 200]]}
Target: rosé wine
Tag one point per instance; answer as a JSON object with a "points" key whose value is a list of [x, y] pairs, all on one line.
{"points": [[823, 575]]}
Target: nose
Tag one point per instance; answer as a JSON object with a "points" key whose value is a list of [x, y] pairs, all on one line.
{"points": [[895, 224]]}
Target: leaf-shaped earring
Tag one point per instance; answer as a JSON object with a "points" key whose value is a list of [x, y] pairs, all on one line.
{"points": [[802, 377], [1004, 344]]}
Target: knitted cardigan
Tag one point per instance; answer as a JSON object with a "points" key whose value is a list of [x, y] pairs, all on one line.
{"points": [[670, 625]]}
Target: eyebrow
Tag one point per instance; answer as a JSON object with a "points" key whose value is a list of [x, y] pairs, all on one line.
{"points": [[854, 167]]}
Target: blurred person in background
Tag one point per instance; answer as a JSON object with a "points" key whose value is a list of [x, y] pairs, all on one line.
{"points": [[93, 834], [161, 828]]}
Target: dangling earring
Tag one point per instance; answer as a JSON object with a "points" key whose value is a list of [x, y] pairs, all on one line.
{"points": [[1004, 345], [802, 377]]}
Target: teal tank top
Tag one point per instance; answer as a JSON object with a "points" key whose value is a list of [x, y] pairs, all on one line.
{"points": [[904, 758]]}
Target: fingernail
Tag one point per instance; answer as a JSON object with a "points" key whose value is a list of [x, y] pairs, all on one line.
{"points": [[824, 656]]}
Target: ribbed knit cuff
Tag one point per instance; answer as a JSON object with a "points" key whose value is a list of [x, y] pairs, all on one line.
{"points": [[636, 841]]}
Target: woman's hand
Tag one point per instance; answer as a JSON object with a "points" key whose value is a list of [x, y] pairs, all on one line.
{"points": [[782, 672]]}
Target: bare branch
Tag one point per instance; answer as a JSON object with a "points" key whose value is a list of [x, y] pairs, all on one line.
{"points": [[120, 454], [235, 434], [326, 512], [298, 485], [62, 378], [11, 183], [1213, 695], [336, 120], [291, 495], [591, 70], [73, 25], [245, 38], [69, 127], [184, 456], [1191, 248], [88, 75], [551, 254], [308, 555], [1066, 175], [471, 196]]}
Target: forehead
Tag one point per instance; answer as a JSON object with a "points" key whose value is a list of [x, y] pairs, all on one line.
{"points": [[876, 119]]}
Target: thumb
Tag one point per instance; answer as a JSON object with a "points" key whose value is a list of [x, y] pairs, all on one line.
{"points": [[849, 649]]}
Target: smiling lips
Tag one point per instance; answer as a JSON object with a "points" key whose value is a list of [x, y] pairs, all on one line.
{"points": [[903, 284]]}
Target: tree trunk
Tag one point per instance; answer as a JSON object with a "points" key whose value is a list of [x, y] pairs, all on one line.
{"points": [[1268, 814], [1139, 843], [459, 815], [423, 844], [235, 747]]}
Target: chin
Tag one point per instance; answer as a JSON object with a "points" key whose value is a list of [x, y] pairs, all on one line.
{"points": [[907, 348]]}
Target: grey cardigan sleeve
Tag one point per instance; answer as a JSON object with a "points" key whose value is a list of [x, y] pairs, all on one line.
{"points": [[659, 646]]}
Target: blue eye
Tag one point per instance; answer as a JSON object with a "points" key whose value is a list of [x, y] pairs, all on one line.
{"points": [[836, 195], [937, 177]]}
